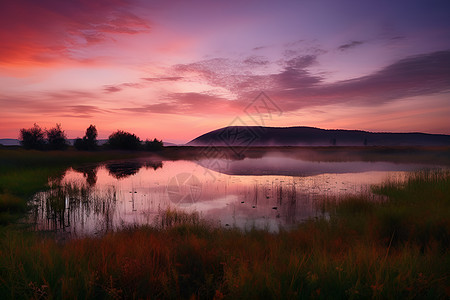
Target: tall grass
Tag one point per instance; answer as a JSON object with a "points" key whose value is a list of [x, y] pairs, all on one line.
{"points": [[395, 248]]}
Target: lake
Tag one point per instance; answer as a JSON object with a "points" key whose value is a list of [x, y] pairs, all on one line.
{"points": [[268, 192]]}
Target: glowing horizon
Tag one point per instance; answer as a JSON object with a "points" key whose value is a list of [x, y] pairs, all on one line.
{"points": [[175, 70]]}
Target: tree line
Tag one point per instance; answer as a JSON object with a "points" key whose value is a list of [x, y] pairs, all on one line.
{"points": [[56, 139]]}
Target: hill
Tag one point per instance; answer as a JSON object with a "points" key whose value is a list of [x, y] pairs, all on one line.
{"points": [[16, 142], [9, 142], [246, 136]]}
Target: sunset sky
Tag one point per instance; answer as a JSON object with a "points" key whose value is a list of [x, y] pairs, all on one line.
{"points": [[177, 69]]}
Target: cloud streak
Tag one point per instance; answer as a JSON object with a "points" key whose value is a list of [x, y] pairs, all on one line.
{"points": [[158, 79], [70, 103], [119, 87], [189, 103], [352, 44]]}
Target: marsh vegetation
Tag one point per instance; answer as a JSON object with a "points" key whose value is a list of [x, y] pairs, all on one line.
{"points": [[395, 247]]}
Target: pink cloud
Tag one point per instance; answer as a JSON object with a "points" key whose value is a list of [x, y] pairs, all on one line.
{"points": [[76, 104], [119, 87], [190, 104], [47, 32], [157, 79]]}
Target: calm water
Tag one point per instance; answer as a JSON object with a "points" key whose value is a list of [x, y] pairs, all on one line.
{"points": [[266, 192]]}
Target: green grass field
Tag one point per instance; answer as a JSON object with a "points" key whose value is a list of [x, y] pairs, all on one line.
{"points": [[395, 248]]}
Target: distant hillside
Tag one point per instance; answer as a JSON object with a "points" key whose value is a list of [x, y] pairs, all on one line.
{"points": [[9, 142], [309, 136], [16, 142]]}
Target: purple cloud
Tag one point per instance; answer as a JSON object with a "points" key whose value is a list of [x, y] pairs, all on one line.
{"points": [[256, 61], [295, 87], [414, 76], [350, 45]]}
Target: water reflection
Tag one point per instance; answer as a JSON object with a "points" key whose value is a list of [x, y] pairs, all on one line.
{"points": [[266, 192], [122, 169], [74, 208], [279, 165], [89, 172]]}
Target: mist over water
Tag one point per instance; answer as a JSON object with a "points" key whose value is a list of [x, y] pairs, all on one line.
{"points": [[270, 192]]}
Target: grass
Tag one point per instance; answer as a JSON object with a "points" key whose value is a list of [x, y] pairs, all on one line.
{"points": [[395, 248]]}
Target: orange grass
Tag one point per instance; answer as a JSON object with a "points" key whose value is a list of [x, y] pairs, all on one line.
{"points": [[316, 260]]}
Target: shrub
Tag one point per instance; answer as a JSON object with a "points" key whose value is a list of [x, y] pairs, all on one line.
{"points": [[56, 138], [124, 140], [154, 145], [32, 138]]}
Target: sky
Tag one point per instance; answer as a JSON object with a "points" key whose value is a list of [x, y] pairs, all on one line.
{"points": [[174, 70]]}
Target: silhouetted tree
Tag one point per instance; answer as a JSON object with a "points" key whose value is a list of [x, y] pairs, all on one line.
{"points": [[89, 141], [32, 138], [91, 137], [56, 138], [124, 140], [154, 145]]}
